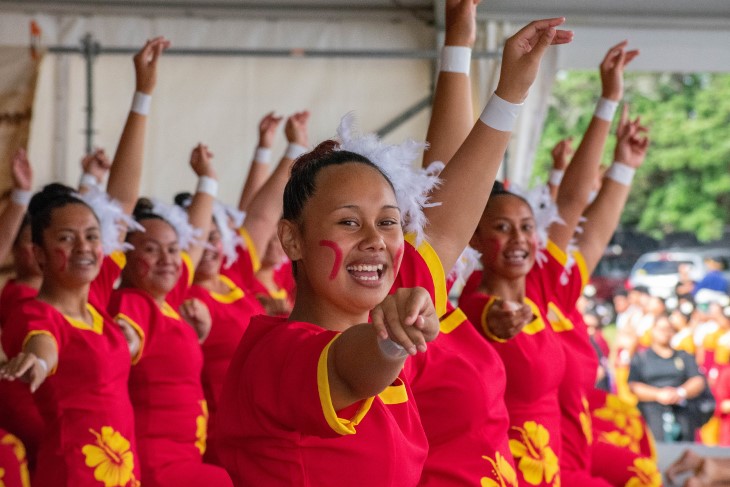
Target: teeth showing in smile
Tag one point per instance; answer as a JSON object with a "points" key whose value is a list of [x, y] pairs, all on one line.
{"points": [[516, 255], [370, 272]]}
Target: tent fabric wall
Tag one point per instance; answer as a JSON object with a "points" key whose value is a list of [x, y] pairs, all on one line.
{"points": [[216, 100]]}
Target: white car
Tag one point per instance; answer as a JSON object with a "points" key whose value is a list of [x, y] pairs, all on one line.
{"points": [[658, 271]]}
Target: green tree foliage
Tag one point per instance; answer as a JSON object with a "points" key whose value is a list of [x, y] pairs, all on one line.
{"points": [[684, 184]]}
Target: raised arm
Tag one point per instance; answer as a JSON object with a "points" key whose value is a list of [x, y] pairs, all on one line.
{"points": [[561, 154], [200, 211], [264, 211], [258, 171], [452, 114], [603, 215], [469, 176], [578, 181], [12, 215], [95, 168], [126, 171]]}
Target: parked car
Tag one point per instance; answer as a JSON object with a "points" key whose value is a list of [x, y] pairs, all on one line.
{"points": [[658, 271]]}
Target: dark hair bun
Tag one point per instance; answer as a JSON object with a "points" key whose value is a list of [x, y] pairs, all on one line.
{"points": [[48, 195], [142, 209], [183, 199], [324, 148]]}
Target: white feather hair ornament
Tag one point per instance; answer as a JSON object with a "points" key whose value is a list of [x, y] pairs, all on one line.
{"points": [[229, 239], [412, 185], [468, 262], [237, 216], [178, 219], [112, 219]]}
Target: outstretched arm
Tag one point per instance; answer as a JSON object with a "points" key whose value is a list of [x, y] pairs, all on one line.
{"points": [[577, 184], [200, 211], [469, 176], [37, 360], [259, 168], [126, 171], [452, 114], [561, 154], [603, 215], [12, 215], [264, 211], [95, 168]]}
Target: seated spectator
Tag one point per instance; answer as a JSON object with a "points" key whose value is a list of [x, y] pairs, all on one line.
{"points": [[714, 280], [664, 379]]}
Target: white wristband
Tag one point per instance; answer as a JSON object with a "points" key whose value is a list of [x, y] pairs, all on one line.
{"points": [[262, 155], [556, 177], [605, 109], [500, 114], [456, 59], [89, 180], [682, 392], [207, 185], [42, 363], [621, 173], [141, 103], [21, 197], [391, 349], [295, 150]]}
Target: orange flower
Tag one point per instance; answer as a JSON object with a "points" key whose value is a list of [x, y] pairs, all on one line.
{"points": [[111, 458], [201, 432], [502, 470], [19, 451], [537, 460], [647, 474], [585, 421]]}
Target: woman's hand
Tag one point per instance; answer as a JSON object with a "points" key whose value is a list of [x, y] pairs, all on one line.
{"points": [[201, 161], [522, 55], [26, 367], [197, 315], [145, 64], [506, 319], [612, 70], [408, 318]]}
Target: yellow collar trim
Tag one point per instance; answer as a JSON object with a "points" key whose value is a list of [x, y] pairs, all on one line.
{"points": [[234, 292], [97, 321]]}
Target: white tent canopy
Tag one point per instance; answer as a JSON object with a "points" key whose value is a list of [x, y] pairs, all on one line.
{"points": [[219, 99]]}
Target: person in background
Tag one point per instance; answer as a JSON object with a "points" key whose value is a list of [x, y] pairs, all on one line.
{"points": [[603, 375], [714, 279], [663, 379], [685, 285]]}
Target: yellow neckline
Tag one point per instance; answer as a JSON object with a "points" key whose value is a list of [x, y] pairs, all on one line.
{"points": [[234, 292], [169, 311], [97, 321]]}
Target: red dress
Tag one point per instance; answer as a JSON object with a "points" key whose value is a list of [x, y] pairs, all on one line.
{"points": [[89, 440], [13, 463], [231, 314], [459, 386], [18, 412], [165, 389], [535, 364], [278, 425], [243, 270]]}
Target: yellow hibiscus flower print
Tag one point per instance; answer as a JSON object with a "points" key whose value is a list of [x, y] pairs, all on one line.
{"points": [[201, 431], [19, 451], [646, 472], [585, 421], [537, 461], [616, 438], [502, 470], [2, 474], [111, 458], [623, 415]]}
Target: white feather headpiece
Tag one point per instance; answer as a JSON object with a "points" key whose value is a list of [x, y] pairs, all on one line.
{"points": [[229, 239], [178, 219], [112, 219], [469, 261], [237, 216], [412, 185]]}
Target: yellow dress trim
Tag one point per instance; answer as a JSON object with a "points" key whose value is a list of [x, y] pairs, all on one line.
{"points": [[279, 294], [536, 325], [452, 321], [394, 394], [234, 292], [252, 252], [33, 333], [437, 272], [339, 425], [558, 321], [557, 253], [169, 311], [97, 321], [119, 258], [187, 262], [140, 333], [580, 263], [485, 327]]}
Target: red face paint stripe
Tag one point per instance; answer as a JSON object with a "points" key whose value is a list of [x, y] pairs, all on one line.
{"points": [[63, 258], [338, 256], [399, 258]]}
